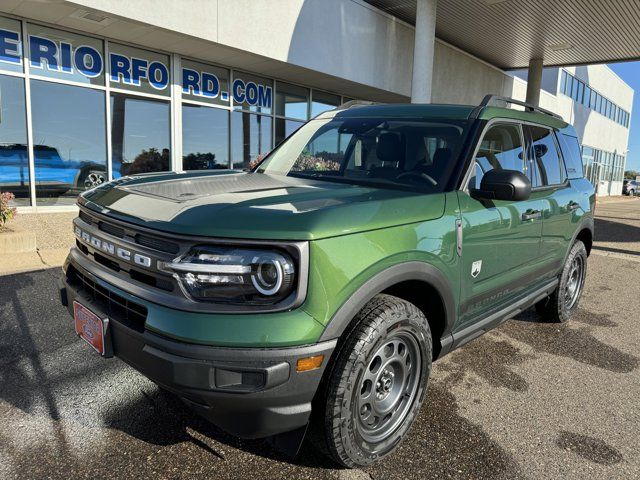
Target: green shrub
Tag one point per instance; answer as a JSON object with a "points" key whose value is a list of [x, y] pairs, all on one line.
{"points": [[6, 212]]}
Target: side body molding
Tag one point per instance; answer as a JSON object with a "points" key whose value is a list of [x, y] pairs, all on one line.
{"points": [[419, 271]]}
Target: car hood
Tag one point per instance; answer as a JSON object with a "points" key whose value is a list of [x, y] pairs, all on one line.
{"points": [[235, 204]]}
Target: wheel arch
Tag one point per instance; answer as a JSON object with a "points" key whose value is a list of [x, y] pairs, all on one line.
{"points": [[585, 233], [420, 283]]}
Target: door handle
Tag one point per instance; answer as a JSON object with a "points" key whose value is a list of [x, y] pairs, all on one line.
{"points": [[573, 206], [531, 215]]}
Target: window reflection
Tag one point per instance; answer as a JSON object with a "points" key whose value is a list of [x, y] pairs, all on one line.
{"points": [[546, 156], [14, 158], [139, 134], [205, 138], [291, 100], [323, 101], [284, 128], [69, 140], [250, 138]]}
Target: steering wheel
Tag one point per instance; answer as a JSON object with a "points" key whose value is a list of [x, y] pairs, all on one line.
{"points": [[420, 175]]}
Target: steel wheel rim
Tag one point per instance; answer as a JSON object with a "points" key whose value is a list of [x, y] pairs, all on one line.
{"points": [[388, 387], [93, 180], [575, 282]]}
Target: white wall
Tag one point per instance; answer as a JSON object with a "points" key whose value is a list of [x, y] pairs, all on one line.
{"points": [[348, 39]]}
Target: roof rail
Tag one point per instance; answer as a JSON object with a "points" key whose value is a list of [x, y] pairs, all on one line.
{"points": [[355, 103], [527, 106]]}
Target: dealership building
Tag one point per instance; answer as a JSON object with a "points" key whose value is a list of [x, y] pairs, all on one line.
{"points": [[92, 90]]}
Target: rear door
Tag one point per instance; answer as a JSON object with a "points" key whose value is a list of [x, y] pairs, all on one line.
{"points": [[501, 239], [559, 199]]}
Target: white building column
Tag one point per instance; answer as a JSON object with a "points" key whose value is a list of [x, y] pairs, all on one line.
{"points": [[423, 51], [534, 81]]}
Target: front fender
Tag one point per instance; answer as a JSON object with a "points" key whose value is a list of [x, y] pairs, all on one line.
{"points": [[393, 275]]}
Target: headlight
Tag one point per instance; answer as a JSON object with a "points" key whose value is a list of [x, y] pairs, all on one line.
{"points": [[235, 275]]}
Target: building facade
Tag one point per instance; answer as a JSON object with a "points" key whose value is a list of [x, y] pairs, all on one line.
{"points": [[598, 104], [92, 90]]}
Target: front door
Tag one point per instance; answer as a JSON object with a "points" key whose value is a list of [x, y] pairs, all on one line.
{"points": [[501, 239]]}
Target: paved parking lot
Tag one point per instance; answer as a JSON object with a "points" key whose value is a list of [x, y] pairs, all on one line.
{"points": [[528, 400]]}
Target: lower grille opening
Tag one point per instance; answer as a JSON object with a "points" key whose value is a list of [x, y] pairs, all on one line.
{"points": [[116, 307], [82, 248], [106, 262], [151, 280]]}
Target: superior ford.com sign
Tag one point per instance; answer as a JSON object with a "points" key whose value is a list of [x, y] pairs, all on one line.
{"points": [[128, 67]]}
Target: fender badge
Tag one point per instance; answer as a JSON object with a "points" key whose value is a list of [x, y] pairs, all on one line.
{"points": [[476, 267]]}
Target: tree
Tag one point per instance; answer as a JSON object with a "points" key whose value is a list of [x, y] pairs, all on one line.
{"points": [[631, 174], [148, 161]]}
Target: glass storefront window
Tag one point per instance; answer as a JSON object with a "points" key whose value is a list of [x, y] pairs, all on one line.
{"points": [[205, 137], [250, 92], [292, 101], [250, 138], [323, 101], [70, 140], [284, 128], [14, 155], [227, 116], [64, 55], [204, 83], [139, 70], [11, 40], [140, 135]]}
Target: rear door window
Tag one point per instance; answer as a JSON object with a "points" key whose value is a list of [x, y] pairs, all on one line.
{"points": [[544, 153]]}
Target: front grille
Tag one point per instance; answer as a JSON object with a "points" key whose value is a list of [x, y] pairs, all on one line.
{"points": [[113, 305], [85, 217], [157, 244], [148, 241], [111, 229]]}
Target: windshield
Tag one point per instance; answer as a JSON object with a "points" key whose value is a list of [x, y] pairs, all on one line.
{"points": [[394, 153]]}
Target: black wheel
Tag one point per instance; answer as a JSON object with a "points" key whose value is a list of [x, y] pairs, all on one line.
{"points": [[559, 306], [378, 382]]}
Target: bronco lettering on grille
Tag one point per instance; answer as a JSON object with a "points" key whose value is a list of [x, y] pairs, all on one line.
{"points": [[110, 248]]}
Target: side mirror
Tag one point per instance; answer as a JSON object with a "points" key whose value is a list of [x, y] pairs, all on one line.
{"points": [[510, 185]]}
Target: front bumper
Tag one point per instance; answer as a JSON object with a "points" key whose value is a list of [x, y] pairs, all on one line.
{"points": [[249, 392]]}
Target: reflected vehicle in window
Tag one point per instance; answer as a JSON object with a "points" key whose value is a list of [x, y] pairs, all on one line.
{"points": [[55, 175], [630, 187]]}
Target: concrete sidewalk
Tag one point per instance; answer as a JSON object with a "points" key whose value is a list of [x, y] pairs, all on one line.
{"points": [[54, 237]]}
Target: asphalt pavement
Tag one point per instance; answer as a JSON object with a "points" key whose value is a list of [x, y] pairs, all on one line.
{"points": [[527, 400]]}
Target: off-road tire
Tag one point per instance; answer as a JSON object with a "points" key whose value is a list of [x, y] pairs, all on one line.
{"points": [[556, 308], [382, 321]]}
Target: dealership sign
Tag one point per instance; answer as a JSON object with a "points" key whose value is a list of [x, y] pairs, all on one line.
{"points": [[129, 68]]}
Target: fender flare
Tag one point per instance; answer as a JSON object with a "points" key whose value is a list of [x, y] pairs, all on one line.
{"points": [[586, 223], [402, 272]]}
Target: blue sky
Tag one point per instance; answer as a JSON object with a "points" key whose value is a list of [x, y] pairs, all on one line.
{"points": [[630, 73]]}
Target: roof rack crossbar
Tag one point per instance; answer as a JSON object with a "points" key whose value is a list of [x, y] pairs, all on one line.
{"points": [[528, 106]]}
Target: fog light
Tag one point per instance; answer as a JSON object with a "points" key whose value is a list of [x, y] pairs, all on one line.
{"points": [[309, 363]]}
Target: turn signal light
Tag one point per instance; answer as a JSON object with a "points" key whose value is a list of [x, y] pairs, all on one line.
{"points": [[309, 363]]}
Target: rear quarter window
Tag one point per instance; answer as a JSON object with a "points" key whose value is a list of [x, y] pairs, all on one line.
{"points": [[571, 154]]}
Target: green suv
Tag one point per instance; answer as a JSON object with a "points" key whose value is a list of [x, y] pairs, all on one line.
{"points": [[318, 288]]}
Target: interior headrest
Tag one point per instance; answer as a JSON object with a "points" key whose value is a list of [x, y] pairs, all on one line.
{"points": [[416, 152], [442, 156], [389, 147]]}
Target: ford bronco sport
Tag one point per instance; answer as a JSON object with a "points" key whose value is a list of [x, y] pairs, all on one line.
{"points": [[373, 241]]}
